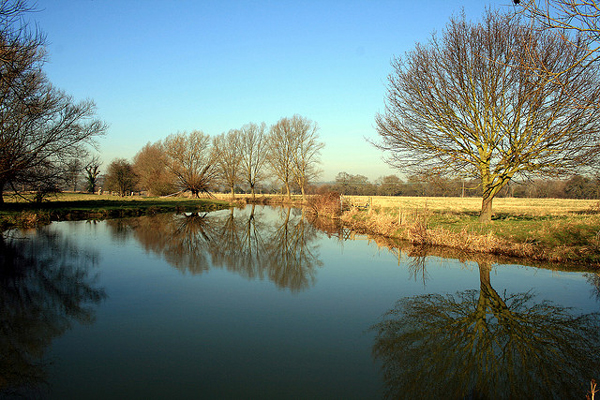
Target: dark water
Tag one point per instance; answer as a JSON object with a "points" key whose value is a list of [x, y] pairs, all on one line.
{"points": [[258, 303]]}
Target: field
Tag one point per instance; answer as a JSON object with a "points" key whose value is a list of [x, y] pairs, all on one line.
{"points": [[472, 205], [556, 230]]}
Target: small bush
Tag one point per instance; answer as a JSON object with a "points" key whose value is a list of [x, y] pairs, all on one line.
{"points": [[327, 204]]}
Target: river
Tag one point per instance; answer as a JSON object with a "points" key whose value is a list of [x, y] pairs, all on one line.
{"points": [[258, 302]]}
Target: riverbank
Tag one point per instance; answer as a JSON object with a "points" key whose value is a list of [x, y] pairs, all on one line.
{"points": [[76, 206], [549, 230], [546, 230], [262, 199]]}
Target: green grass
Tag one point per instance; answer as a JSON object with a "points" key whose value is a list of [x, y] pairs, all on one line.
{"points": [[554, 230], [74, 206], [550, 231], [581, 228]]}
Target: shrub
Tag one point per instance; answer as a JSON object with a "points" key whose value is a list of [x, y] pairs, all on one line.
{"points": [[327, 204]]}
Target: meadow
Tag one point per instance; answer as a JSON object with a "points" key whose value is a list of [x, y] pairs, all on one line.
{"points": [[556, 230], [472, 205]]}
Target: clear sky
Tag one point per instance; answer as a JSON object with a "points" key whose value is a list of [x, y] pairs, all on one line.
{"points": [[160, 67]]}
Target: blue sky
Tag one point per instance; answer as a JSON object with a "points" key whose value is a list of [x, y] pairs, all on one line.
{"points": [[160, 67]]}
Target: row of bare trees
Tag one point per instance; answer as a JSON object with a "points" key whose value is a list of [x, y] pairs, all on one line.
{"points": [[287, 152]]}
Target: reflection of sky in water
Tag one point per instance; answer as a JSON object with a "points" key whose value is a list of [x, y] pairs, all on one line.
{"points": [[167, 333]]}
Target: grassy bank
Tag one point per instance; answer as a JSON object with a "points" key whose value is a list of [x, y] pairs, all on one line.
{"points": [[555, 230], [75, 206], [263, 199]]}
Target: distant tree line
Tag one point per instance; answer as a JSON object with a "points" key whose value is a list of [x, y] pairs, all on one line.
{"points": [[283, 157], [576, 187]]}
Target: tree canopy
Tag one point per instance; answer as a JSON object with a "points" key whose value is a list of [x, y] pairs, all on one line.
{"points": [[120, 177], [190, 157], [581, 17], [294, 151]]}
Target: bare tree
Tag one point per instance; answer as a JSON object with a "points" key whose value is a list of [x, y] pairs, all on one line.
{"points": [[389, 185], [294, 151], [253, 150], [190, 157], [150, 165], [21, 49], [228, 158], [120, 177], [470, 105], [308, 148], [92, 171], [40, 126], [280, 155], [73, 169]]}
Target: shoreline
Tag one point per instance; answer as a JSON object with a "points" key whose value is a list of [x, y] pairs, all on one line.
{"points": [[418, 232], [569, 235], [28, 215]]}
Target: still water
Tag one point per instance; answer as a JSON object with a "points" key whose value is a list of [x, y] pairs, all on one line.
{"points": [[258, 303]]}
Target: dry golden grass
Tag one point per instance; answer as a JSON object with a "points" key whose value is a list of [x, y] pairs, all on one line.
{"points": [[558, 230], [513, 206]]}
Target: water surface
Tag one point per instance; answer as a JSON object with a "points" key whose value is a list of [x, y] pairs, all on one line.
{"points": [[259, 303]]}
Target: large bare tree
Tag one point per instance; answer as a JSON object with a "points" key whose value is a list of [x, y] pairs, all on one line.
{"points": [[190, 157], [253, 150], [294, 151], [41, 128], [280, 153], [474, 104], [228, 158]]}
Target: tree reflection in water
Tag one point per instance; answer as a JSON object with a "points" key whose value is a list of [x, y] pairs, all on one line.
{"points": [[291, 252], [478, 344], [246, 242], [45, 286], [594, 280]]}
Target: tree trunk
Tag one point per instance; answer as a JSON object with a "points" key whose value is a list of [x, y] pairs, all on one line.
{"points": [[489, 296], [232, 192], [1, 192], [253, 192], [484, 275], [287, 188], [486, 209]]}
